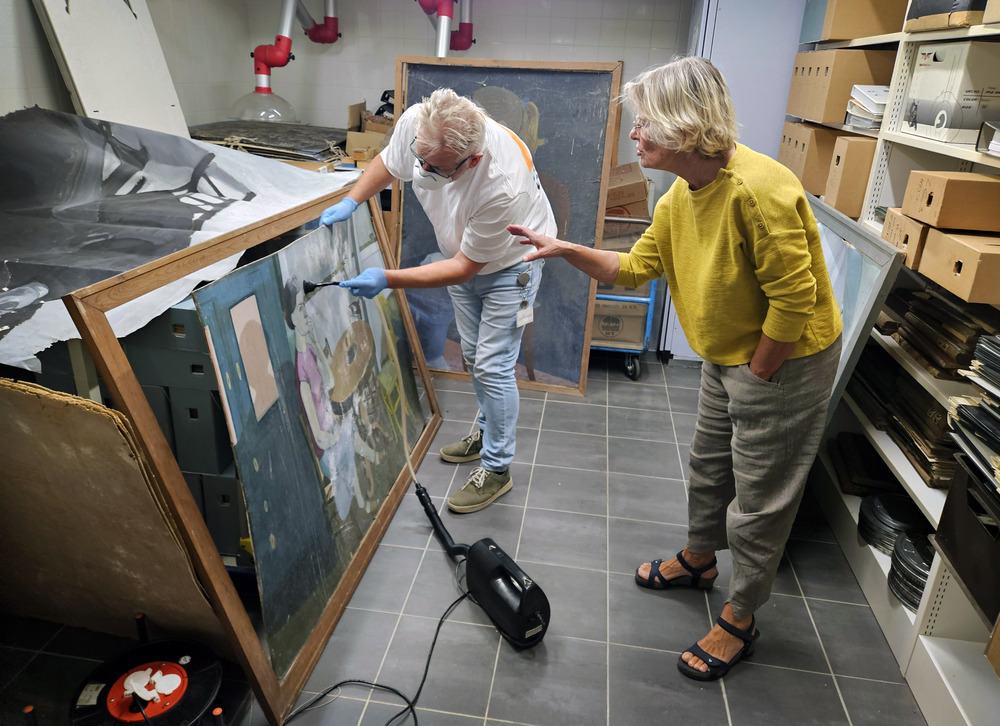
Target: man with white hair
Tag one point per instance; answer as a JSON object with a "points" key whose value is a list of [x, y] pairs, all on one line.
{"points": [[473, 177]]}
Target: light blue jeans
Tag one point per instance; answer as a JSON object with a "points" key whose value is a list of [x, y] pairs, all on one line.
{"points": [[486, 317]]}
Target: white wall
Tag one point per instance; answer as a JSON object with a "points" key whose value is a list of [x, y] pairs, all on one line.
{"points": [[207, 45], [30, 76], [758, 73]]}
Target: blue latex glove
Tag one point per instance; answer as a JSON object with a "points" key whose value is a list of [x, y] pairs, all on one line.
{"points": [[368, 284], [339, 211]]}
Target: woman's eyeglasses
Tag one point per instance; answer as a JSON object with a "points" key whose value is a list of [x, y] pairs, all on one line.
{"points": [[433, 169], [640, 125]]}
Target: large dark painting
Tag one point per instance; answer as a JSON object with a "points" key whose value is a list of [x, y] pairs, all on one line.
{"points": [[563, 113]]}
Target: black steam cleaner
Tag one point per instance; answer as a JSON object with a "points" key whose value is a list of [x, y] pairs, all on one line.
{"points": [[512, 600]]}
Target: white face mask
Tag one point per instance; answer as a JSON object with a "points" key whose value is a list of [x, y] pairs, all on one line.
{"points": [[423, 179]]}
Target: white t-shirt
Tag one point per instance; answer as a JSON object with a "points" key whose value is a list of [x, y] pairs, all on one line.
{"points": [[471, 213]]}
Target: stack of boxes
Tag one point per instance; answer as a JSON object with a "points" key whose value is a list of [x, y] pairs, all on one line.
{"points": [[170, 358], [829, 161], [948, 227], [622, 323]]}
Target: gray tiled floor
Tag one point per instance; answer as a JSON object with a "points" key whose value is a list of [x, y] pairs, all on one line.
{"points": [[599, 487]]}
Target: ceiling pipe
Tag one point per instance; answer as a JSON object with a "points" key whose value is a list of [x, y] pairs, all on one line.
{"points": [[276, 55], [462, 39], [328, 32], [444, 10], [263, 103]]}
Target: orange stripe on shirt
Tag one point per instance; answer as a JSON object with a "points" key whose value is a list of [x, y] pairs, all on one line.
{"points": [[520, 144]]}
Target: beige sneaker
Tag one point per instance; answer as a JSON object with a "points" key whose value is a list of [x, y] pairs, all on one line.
{"points": [[465, 450], [482, 488]]}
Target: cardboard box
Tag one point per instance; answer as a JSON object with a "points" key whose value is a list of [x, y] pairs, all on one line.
{"points": [[322, 167], [849, 19], [906, 234], [355, 114], [992, 12], [622, 243], [364, 145], [954, 199], [635, 210], [953, 89], [641, 292], [937, 14], [377, 124], [822, 81], [849, 170], [626, 184], [619, 324], [993, 650], [807, 150], [967, 265]]}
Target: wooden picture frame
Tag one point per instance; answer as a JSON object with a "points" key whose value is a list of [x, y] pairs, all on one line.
{"points": [[89, 307], [567, 114]]}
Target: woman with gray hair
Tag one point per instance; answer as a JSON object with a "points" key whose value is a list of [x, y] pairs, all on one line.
{"points": [[472, 177], [736, 239]]}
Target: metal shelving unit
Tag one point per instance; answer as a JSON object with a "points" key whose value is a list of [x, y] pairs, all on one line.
{"points": [[940, 648]]}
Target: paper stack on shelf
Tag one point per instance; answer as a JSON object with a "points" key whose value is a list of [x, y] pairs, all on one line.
{"points": [[936, 329], [866, 106], [975, 420]]}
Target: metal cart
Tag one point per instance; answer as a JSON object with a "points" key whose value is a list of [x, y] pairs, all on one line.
{"points": [[624, 322]]}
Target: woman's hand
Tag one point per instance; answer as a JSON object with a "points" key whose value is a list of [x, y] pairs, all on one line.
{"points": [[545, 246]]}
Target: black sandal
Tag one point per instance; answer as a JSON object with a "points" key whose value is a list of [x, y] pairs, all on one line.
{"points": [[656, 580], [717, 668]]}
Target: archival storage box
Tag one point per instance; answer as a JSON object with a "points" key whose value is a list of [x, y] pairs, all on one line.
{"points": [[200, 431], [906, 234], [850, 166], [967, 265], [822, 81], [954, 199], [807, 150], [953, 89]]}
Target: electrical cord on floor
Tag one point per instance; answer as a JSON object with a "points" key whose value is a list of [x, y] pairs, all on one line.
{"points": [[411, 704]]}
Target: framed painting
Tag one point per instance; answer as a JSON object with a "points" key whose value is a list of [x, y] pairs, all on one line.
{"points": [[323, 410], [568, 116], [345, 495]]}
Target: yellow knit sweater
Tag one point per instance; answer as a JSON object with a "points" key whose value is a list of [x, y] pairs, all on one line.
{"points": [[740, 256]]}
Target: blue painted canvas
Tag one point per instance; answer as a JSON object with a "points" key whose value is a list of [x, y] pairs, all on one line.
{"points": [[323, 407]]}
